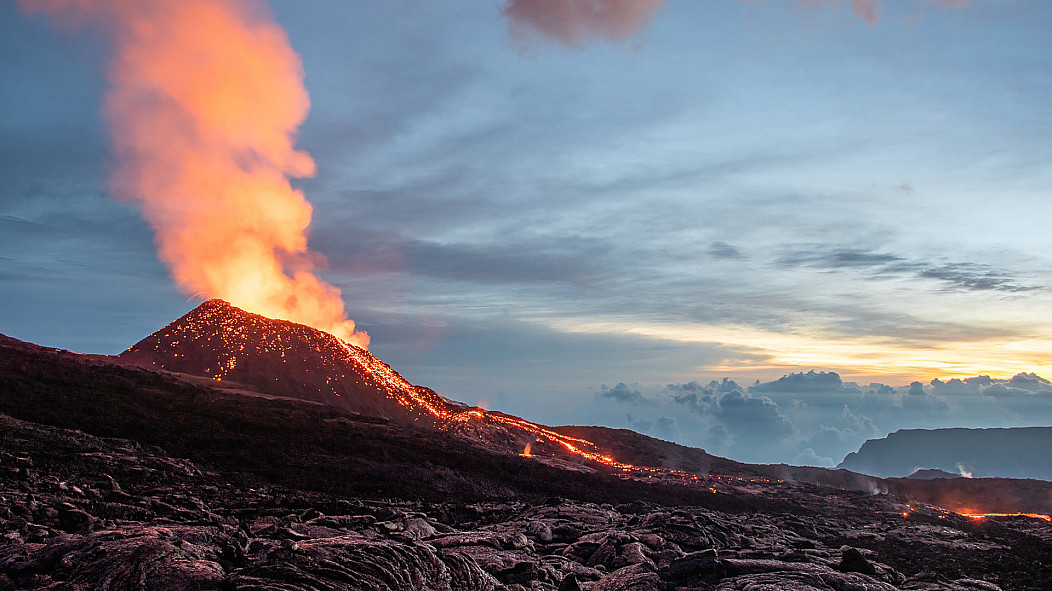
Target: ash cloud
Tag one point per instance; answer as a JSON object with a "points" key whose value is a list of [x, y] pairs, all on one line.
{"points": [[867, 9], [570, 22]]}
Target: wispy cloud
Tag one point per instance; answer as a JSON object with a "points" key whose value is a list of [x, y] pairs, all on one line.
{"points": [[976, 277], [837, 258], [955, 275], [722, 250]]}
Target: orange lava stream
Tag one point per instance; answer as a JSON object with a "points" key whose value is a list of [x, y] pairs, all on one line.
{"points": [[979, 516], [406, 393], [426, 400]]}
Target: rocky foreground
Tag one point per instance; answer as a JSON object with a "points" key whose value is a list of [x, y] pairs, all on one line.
{"points": [[83, 512]]}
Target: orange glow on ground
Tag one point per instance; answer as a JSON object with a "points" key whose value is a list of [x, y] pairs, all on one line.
{"points": [[980, 516]]}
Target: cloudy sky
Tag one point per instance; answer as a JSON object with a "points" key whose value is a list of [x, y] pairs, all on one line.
{"points": [[600, 225]]}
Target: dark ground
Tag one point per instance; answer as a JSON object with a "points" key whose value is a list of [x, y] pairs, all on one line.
{"points": [[171, 485]]}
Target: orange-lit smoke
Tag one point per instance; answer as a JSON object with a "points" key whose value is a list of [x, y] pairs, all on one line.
{"points": [[867, 9], [205, 101], [572, 21]]}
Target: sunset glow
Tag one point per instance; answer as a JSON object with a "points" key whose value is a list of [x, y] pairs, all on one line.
{"points": [[862, 358]]}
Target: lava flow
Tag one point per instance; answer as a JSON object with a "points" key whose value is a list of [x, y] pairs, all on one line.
{"points": [[981, 516]]}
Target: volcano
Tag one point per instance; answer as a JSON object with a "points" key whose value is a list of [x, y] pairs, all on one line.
{"points": [[250, 353], [245, 353]]}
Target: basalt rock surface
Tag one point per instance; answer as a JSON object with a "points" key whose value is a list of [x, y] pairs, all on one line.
{"points": [[119, 477], [84, 512]]}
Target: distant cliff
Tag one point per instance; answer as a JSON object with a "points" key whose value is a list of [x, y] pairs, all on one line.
{"points": [[981, 453]]}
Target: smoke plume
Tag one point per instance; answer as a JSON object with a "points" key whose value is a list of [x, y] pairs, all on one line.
{"points": [[571, 22], [205, 100], [867, 9]]}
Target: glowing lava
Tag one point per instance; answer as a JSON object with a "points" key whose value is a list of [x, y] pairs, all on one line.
{"points": [[980, 516]]}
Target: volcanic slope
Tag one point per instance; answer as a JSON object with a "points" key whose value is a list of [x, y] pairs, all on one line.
{"points": [[247, 353], [227, 344], [223, 347]]}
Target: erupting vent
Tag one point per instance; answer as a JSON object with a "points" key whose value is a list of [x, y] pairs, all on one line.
{"points": [[278, 357]]}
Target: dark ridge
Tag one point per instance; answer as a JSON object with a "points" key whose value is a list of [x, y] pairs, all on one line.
{"points": [[635, 448], [638, 449], [1020, 452], [930, 473]]}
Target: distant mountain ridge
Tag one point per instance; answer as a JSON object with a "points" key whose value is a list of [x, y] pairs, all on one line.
{"points": [[1021, 452]]}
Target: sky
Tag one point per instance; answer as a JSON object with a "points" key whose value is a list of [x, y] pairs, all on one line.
{"points": [[742, 225]]}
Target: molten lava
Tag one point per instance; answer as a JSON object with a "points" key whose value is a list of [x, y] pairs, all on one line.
{"points": [[980, 516]]}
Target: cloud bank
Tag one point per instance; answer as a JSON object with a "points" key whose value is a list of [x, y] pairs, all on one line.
{"points": [[815, 418]]}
